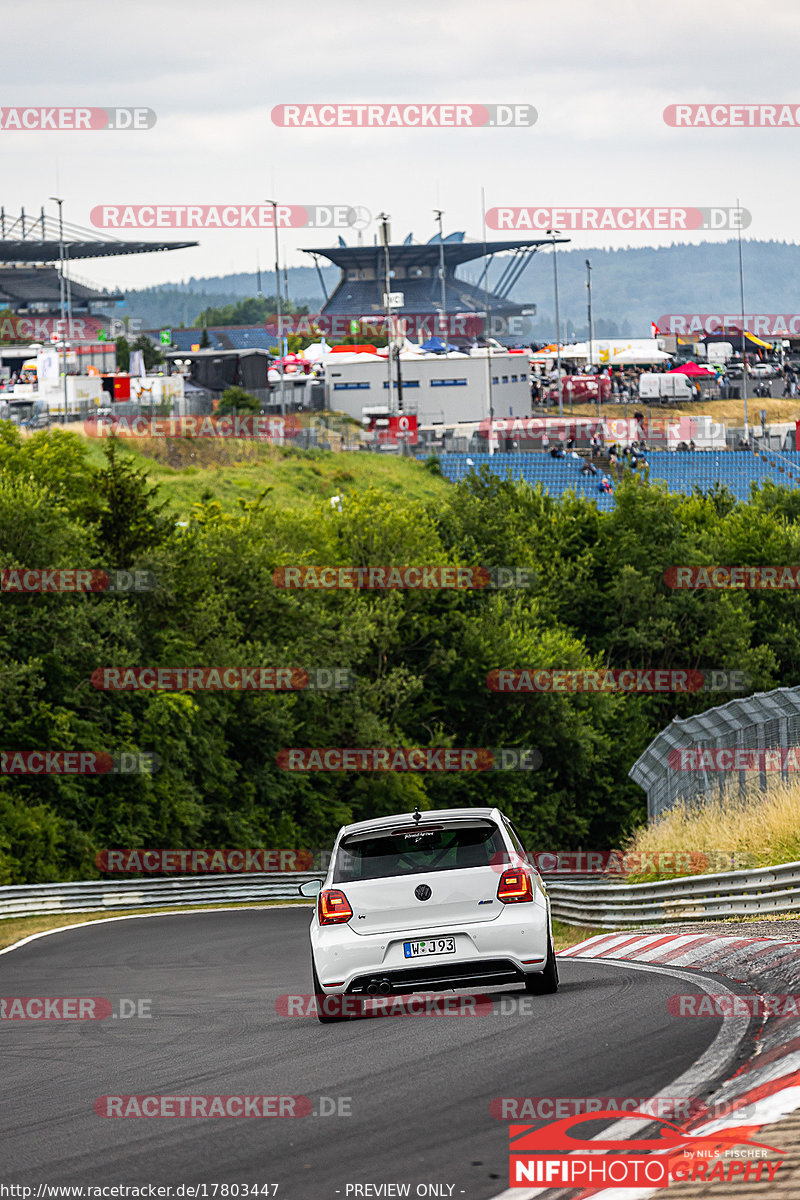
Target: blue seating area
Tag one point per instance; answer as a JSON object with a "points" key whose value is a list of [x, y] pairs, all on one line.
{"points": [[246, 337], [681, 470]]}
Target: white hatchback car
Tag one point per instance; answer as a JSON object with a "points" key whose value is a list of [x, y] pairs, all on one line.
{"points": [[429, 902]]}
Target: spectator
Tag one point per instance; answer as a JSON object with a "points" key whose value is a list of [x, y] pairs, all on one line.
{"points": [[545, 441]]}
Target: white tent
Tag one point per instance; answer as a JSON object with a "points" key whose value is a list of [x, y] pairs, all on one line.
{"points": [[315, 351], [629, 357]]}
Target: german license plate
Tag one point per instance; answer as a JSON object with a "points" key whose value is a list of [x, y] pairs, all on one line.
{"points": [[430, 946]]}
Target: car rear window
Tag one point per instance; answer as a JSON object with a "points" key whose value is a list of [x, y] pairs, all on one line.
{"points": [[415, 850]]}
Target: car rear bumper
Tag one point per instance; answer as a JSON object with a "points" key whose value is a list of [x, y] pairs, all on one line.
{"points": [[434, 977], [487, 953]]}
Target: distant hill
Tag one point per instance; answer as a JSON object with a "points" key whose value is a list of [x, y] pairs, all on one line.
{"points": [[630, 287]]}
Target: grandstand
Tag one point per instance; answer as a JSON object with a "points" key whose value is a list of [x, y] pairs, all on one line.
{"points": [[682, 471], [415, 274], [34, 290]]}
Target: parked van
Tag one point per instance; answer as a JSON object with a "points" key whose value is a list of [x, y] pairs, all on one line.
{"points": [[670, 388]]}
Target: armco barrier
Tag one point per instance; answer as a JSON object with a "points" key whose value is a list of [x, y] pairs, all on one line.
{"points": [[691, 898], [602, 905], [28, 900]]}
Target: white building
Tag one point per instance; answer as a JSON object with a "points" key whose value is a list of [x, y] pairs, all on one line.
{"points": [[438, 388]]}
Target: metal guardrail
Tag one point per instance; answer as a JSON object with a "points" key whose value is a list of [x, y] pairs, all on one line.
{"points": [[691, 898], [34, 899], [602, 905]]}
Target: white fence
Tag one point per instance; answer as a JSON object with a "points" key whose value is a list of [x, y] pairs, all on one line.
{"points": [[33, 899], [603, 905], [691, 898]]}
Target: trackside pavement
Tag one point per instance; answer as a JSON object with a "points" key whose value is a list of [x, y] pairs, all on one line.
{"points": [[762, 957]]}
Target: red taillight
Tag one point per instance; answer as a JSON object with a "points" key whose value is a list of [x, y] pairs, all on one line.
{"points": [[515, 887], [333, 907]]}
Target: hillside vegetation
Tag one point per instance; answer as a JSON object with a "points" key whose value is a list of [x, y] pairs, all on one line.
{"points": [[420, 658]]}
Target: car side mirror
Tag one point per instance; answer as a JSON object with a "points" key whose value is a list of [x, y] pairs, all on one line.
{"points": [[310, 888]]}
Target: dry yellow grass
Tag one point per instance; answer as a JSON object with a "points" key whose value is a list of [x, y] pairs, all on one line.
{"points": [[730, 411], [757, 828]]}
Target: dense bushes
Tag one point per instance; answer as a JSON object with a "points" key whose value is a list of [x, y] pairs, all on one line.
{"points": [[420, 658]]}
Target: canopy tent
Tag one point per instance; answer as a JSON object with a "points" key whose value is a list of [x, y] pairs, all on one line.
{"points": [[435, 345], [316, 351], [578, 350], [734, 337], [608, 352], [636, 357], [633, 358], [693, 369]]}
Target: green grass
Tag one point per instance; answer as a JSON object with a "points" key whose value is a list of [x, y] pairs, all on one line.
{"points": [[188, 469], [565, 935]]}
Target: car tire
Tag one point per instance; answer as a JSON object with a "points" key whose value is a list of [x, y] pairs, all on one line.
{"points": [[322, 1017], [546, 981]]}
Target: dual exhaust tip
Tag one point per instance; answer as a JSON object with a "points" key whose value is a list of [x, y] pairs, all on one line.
{"points": [[379, 985]]}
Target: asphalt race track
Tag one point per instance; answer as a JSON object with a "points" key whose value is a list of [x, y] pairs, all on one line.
{"points": [[419, 1088]]}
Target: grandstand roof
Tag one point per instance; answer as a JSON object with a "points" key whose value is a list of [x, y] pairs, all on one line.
{"points": [[409, 255], [27, 239]]}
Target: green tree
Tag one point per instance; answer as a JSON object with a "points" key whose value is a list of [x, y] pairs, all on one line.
{"points": [[123, 353], [153, 355], [252, 311], [131, 521], [236, 400]]}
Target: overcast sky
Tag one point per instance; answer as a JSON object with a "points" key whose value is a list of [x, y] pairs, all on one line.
{"points": [[598, 74]]}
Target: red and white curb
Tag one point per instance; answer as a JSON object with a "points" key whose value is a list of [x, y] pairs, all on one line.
{"points": [[768, 1084]]}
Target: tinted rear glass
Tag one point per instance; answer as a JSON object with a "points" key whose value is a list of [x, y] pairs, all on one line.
{"points": [[418, 851]]}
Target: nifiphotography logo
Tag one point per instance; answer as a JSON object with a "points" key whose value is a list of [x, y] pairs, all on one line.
{"points": [[552, 1156]]}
